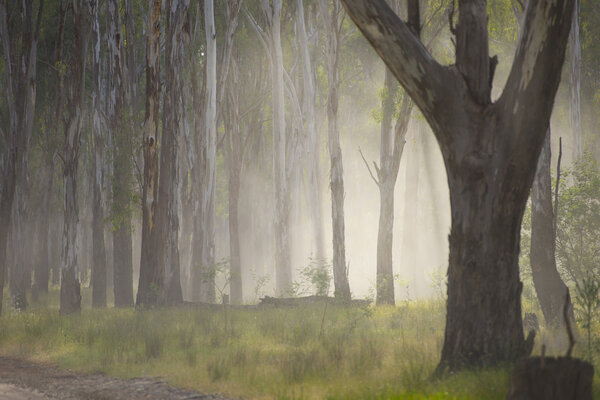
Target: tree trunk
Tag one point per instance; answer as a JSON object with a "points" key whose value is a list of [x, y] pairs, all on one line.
{"points": [[236, 290], [575, 84], [122, 174], [21, 94], [151, 277], [386, 183], [314, 148], [485, 232], [206, 268], [98, 278], [385, 272], [42, 271], [490, 150], [336, 174], [169, 165], [550, 288]]}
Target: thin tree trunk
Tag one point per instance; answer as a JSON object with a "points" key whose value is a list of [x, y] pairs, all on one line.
{"points": [[336, 175], [198, 165], [314, 153], [122, 174], [550, 288], [169, 166], [209, 149], [70, 292], [151, 276], [575, 84], [391, 149], [98, 279], [386, 184]]}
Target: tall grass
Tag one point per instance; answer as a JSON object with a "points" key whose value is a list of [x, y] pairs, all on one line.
{"points": [[361, 353]]}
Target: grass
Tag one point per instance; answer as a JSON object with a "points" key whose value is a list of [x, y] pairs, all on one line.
{"points": [[361, 353]]}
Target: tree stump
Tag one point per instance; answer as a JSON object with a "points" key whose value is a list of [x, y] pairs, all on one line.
{"points": [[548, 378]]}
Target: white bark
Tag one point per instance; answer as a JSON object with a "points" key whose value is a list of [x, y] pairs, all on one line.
{"points": [[314, 157], [336, 174], [210, 149]]}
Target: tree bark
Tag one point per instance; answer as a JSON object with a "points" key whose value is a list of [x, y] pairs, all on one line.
{"points": [[336, 174], [21, 94], [70, 296], [490, 151], [205, 269], [575, 84], [549, 286], [122, 174], [314, 148], [391, 149], [169, 167], [151, 277], [98, 279]]}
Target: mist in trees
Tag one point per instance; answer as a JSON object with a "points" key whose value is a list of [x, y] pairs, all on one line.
{"points": [[167, 152]]}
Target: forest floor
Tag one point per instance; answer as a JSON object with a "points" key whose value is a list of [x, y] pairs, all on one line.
{"points": [[23, 380], [317, 351]]}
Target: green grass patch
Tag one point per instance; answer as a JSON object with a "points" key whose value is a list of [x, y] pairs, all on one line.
{"points": [[292, 353]]}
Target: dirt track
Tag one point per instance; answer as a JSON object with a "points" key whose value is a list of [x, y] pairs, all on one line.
{"points": [[22, 380]]}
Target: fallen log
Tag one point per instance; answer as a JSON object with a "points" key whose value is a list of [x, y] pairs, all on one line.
{"points": [[269, 301]]}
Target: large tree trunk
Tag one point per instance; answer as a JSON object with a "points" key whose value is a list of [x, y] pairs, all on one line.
{"points": [[174, 120], [336, 174], [151, 277], [490, 151], [550, 288]]}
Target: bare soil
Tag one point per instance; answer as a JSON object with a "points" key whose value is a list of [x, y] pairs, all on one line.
{"points": [[23, 380]]}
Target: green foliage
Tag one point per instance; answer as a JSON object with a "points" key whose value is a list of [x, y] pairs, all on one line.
{"points": [[578, 249], [315, 278], [587, 300]]}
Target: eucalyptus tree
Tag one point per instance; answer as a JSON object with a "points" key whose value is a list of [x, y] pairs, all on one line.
{"points": [[309, 111], [122, 180], [549, 286], [490, 149], [575, 83], [174, 119], [331, 22], [207, 186], [70, 292], [20, 88], [271, 41], [151, 277], [97, 171]]}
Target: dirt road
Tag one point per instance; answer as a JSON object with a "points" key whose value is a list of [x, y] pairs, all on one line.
{"points": [[22, 380]]}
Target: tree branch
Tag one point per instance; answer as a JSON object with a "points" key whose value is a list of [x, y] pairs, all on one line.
{"points": [[528, 96], [369, 168], [435, 89]]}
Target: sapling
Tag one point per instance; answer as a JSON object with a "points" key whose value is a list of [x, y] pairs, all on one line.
{"points": [[587, 300]]}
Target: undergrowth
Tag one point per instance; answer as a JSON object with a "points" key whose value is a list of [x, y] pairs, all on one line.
{"points": [[356, 353]]}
